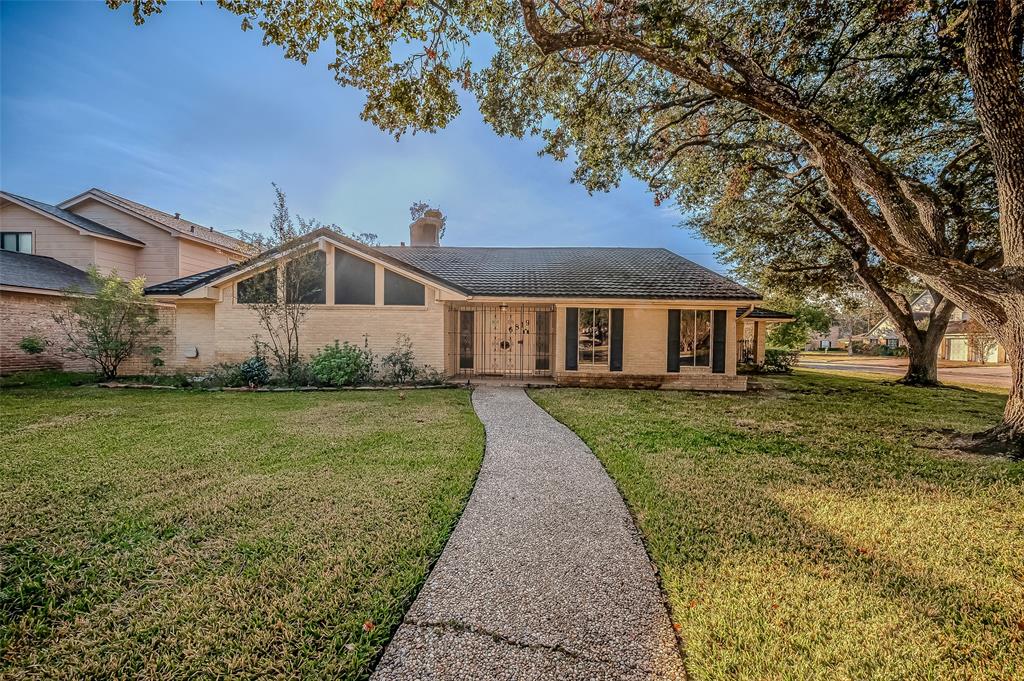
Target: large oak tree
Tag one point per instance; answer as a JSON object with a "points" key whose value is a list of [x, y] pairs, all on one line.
{"points": [[585, 72]]}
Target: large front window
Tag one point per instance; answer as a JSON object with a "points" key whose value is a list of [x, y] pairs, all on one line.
{"points": [[695, 338], [593, 336]]}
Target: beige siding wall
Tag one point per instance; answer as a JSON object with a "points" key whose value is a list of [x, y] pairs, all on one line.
{"points": [[158, 260], [49, 237], [193, 258], [111, 255]]}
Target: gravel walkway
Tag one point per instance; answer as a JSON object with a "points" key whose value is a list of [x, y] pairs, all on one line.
{"points": [[545, 576]]}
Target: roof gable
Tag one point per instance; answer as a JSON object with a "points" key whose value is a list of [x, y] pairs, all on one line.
{"points": [[176, 225], [73, 220], [228, 273]]}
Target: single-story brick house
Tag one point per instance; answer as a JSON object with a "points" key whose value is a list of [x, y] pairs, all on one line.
{"points": [[578, 316]]}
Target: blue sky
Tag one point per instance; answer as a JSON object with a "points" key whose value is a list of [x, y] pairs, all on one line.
{"points": [[189, 114]]}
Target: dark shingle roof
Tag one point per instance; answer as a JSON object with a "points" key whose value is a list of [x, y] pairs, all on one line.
{"points": [[764, 313], [75, 219], [38, 271], [531, 272], [177, 287], [571, 272]]}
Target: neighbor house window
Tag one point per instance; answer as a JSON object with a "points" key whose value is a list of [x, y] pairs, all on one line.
{"points": [[306, 279], [259, 288], [16, 241], [694, 338], [399, 290], [593, 337], [354, 280], [892, 342]]}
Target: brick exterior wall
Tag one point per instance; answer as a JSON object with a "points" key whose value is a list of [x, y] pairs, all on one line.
{"points": [[29, 314]]}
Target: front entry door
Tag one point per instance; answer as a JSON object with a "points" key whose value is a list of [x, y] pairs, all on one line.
{"points": [[507, 339]]}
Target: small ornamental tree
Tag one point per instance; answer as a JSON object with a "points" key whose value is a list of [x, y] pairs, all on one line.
{"points": [[110, 325], [980, 343], [281, 297]]}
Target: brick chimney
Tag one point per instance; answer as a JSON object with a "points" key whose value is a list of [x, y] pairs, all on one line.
{"points": [[426, 231]]}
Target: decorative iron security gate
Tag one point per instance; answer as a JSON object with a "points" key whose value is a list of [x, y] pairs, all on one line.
{"points": [[511, 341]]}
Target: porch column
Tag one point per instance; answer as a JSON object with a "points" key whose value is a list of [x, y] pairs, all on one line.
{"points": [[760, 332]]}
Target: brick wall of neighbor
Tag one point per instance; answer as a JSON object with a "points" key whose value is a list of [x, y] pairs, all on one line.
{"points": [[27, 314], [645, 358]]}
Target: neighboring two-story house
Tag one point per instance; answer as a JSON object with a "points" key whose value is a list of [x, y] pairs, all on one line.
{"points": [[45, 249]]}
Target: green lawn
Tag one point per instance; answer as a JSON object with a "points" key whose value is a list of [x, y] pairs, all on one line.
{"points": [[170, 534], [802, 532]]}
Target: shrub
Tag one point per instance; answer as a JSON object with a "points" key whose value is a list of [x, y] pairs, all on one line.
{"points": [[255, 371], [778, 361], [223, 376], [431, 376], [398, 366], [33, 345], [344, 364]]}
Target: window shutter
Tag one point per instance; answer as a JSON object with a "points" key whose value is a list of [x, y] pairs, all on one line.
{"points": [[673, 341], [572, 320], [718, 342], [616, 356]]}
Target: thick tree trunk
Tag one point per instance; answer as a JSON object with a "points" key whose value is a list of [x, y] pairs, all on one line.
{"points": [[923, 355], [1008, 436]]}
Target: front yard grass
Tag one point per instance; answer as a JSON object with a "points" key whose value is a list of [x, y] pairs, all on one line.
{"points": [[198, 535], [819, 529]]}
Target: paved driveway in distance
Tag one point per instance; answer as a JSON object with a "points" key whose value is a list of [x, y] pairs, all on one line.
{"points": [[997, 375], [545, 576]]}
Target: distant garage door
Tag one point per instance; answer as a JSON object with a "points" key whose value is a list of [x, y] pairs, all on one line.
{"points": [[958, 349]]}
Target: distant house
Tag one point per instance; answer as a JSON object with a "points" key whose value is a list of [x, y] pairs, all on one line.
{"points": [[46, 248], [834, 339], [963, 341]]}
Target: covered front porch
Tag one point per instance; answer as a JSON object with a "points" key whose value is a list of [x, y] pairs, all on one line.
{"points": [[500, 341]]}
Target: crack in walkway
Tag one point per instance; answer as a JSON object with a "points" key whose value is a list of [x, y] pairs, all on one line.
{"points": [[545, 575]]}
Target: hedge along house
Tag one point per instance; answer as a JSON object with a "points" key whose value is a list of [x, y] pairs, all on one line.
{"points": [[641, 317]]}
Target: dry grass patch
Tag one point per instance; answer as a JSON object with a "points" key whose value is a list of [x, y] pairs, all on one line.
{"points": [[805, 532], [161, 534]]}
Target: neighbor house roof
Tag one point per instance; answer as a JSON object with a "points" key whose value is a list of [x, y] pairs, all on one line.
{"points": [[177, 224], [72, 218], [23, 270], [570, 272]]}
